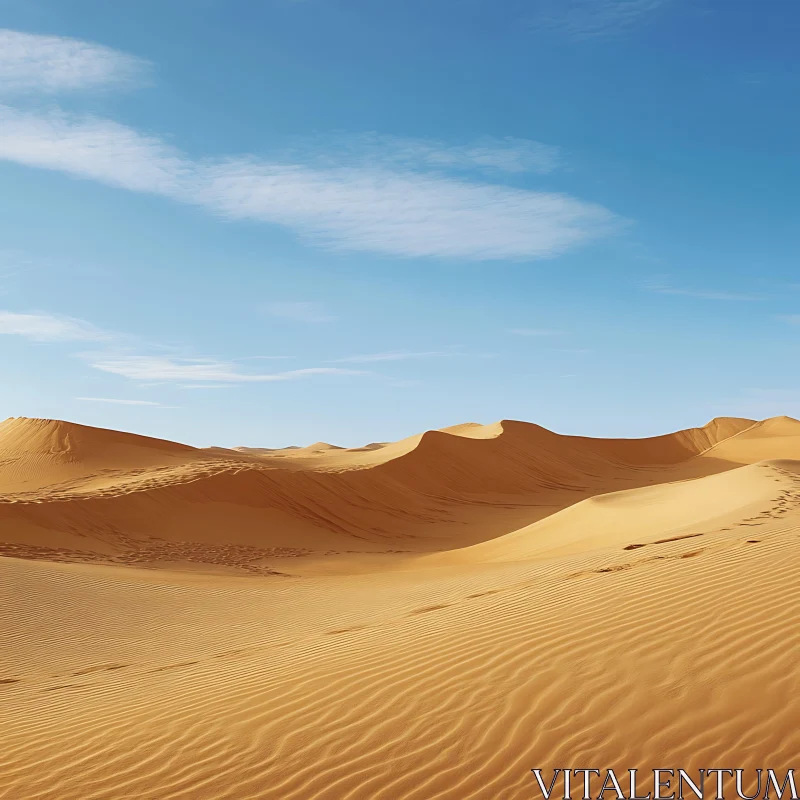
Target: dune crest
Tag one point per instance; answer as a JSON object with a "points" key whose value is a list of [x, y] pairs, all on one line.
{"points": [[69, 441], [635, 518], [421, 620], [40, 453], [82, 493]]}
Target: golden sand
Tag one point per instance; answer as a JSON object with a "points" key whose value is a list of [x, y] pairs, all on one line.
{"points": [[430, 618]]}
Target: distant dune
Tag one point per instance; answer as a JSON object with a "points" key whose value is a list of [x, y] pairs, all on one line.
{"points": [[428, 618], [93, 494]]}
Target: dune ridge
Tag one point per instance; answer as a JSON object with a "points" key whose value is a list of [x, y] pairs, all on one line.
{"points": [[87, 493], [421, 620]]}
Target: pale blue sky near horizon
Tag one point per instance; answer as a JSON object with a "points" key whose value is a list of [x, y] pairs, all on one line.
{"points": [[238, 223]]}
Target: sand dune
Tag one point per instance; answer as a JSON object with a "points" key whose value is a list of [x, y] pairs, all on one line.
{"points": [[635, 518], [43, 454], [81, 493], [423, 619]]}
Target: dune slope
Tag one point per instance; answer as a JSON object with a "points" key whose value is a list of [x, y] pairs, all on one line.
{"points": [[77, 493], [560, 601], [449, 683]]}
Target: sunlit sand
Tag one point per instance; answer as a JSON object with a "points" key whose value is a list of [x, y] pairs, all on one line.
{"points": [[430, 618]]}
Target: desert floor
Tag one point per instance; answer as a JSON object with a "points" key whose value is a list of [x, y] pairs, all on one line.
{"points": [[423, 619]]}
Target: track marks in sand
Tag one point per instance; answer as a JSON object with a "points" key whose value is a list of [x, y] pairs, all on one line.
{"points": [[351, 629], [611, 568], [245, 558], [453, 705], [787, 501], [614, 568], [80, 494], [231, 653], [443, 683], [663, 541], [101, 668], [179, 665], [66, 686], [428, 609]]}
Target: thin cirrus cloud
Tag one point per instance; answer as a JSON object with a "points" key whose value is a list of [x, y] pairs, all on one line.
{"points": [[403, 212], [487, 153], [196, 371], [57, 63], [591, 19], [191, 372], [375, 207], [508, 154], [42, 327]]}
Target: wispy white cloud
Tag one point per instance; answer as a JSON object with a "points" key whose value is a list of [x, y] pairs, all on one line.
{"points": [[406, 213], [792, 319], [701, 294], [96, 149], [195, 371], [124, 402], [56, 63], [505, 155], [393, 356], [486, 153], [588, 19], [300, 312], [49, 328], [151, 370], [392, 211], [543, 332]]}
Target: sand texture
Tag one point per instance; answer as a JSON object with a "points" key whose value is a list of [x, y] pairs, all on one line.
{"points": [[422, 619]]}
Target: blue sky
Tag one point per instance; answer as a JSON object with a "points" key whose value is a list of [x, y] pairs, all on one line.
{"points": [[278, 222]]}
